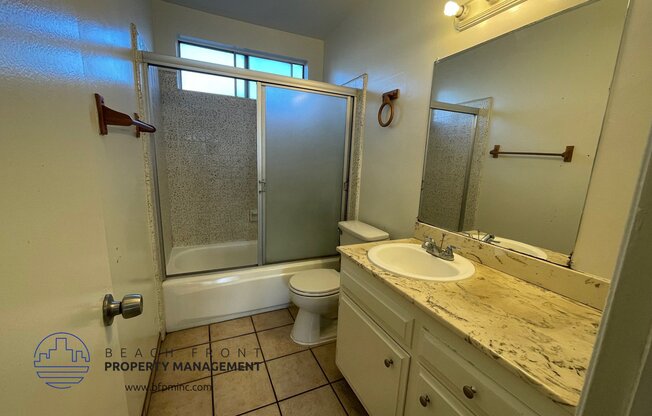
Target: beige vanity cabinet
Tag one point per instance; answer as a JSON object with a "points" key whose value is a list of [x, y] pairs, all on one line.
{"points": [[401, 361], [427, 397], [375, 364]]}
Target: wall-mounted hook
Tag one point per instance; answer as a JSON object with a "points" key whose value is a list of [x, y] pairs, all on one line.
{"points": [[388, 97], [109, 117]]}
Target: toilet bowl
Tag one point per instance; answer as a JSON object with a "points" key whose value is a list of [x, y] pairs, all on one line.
{"points": [[316, 292]]}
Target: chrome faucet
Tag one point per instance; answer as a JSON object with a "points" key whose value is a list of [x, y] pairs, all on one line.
{"points": [[489, 238], [431, 248]]}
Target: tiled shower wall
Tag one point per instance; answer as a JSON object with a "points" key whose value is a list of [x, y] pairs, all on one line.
{"points": [[209, 143]]}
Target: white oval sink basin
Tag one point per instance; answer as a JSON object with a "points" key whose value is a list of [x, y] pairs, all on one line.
{"points": [[410, 260], [520, 247]]}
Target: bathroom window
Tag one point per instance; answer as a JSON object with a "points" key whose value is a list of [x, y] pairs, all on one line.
{"points": [[215, 84]]}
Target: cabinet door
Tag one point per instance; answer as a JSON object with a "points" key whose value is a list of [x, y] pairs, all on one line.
{"points": [[427, 397], [373, 364]]}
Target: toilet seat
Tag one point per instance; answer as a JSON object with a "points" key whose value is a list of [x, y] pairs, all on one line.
{"points": [[316, 283]]}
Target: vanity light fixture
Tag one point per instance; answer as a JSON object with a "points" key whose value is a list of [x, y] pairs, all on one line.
{"points": [[476, 11], [453, 9]]}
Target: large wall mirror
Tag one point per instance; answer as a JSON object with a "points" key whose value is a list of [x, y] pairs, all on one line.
{"points": [[542, 91]]}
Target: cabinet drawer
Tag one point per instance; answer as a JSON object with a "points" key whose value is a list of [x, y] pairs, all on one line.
{"points": [[389, 314], [457, 374], [374, 365], [427, 397]]}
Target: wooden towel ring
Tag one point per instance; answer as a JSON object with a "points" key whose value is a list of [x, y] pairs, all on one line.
{"points": [[388, 97]]}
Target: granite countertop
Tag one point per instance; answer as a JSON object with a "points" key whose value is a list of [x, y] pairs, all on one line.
{"points": [[544, 338]]}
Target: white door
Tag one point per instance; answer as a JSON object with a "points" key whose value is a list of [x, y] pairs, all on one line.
{"points": [[73, 213]]}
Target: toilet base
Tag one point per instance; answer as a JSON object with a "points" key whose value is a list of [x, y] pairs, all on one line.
{"points": [[312, 329]]}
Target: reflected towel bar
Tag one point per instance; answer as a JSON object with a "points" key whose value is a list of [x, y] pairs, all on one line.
{"points": [[110, 117], [567, 155]]}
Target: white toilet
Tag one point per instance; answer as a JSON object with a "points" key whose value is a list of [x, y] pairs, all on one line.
{"points": [[316, 292]]}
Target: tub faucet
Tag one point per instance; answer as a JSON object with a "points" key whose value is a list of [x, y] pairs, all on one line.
{"points": [[431, 248]]}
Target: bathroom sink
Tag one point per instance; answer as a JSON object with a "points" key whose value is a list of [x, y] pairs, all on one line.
{"points": [[410, 260]]}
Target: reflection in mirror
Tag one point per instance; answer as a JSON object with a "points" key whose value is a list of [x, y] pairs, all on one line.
{"points": [[536, 90]]}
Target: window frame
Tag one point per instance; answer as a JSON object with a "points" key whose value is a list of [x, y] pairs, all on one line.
{"points": [[246, 53]]}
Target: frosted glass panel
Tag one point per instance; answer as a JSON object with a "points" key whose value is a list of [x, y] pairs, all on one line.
{"points": [[450, 145], [305, 135]]}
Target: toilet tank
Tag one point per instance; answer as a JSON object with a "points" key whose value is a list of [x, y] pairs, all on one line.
{"points": [[357, 232]]}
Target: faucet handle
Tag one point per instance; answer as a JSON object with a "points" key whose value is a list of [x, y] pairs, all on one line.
{"points": [[450, 250]]}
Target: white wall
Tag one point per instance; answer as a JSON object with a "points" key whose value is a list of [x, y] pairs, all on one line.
{"points": [[619, 380], [620, 154], [401, 55], [172, 21]]}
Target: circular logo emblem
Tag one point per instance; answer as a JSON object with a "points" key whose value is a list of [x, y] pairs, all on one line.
{"points": [[61, 360]]}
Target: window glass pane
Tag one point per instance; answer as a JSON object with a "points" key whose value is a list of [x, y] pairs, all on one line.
{"points": [[214, 84], [297, 71], [239, 61], [253, 90], [270, 66], [200, 53], [240, 88]]}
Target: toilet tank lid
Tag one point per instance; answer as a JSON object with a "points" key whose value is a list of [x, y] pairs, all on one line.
{"points": [[364, 232]]}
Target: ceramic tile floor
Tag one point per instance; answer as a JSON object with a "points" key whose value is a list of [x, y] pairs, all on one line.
{"points": [[290, 380]]}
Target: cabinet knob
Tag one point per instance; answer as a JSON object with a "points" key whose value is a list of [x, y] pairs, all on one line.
{"points": [[388, 362], [469, 391], [424, 400]]}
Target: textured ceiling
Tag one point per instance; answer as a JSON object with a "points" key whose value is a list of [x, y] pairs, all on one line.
{"points": [[314, 18]]}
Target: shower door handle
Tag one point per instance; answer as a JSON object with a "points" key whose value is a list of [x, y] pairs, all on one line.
{"points": [[262, 185]]}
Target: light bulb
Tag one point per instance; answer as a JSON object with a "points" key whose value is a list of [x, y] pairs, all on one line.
{"points": [[451, 8]]}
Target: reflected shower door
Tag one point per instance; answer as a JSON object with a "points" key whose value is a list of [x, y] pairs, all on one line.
{"points": [[303, 148], [444, 190]]}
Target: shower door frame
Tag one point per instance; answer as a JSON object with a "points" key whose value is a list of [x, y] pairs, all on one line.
{"points": [[150, 59], [261, 100]]}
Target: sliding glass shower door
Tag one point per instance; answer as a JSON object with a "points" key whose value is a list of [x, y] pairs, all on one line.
{"points": [[303, 154]]}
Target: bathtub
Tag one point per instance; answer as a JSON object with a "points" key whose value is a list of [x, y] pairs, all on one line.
{"points": [[208, 298], [194, 259]]}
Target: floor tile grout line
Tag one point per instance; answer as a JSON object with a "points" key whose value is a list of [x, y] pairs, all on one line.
{"points": [[208, 326], [233, 336], [274, 327], [269, 376], [303, 392], [173, 350], [329, 382], [284, 355], [256, 409], [259, 362]]}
